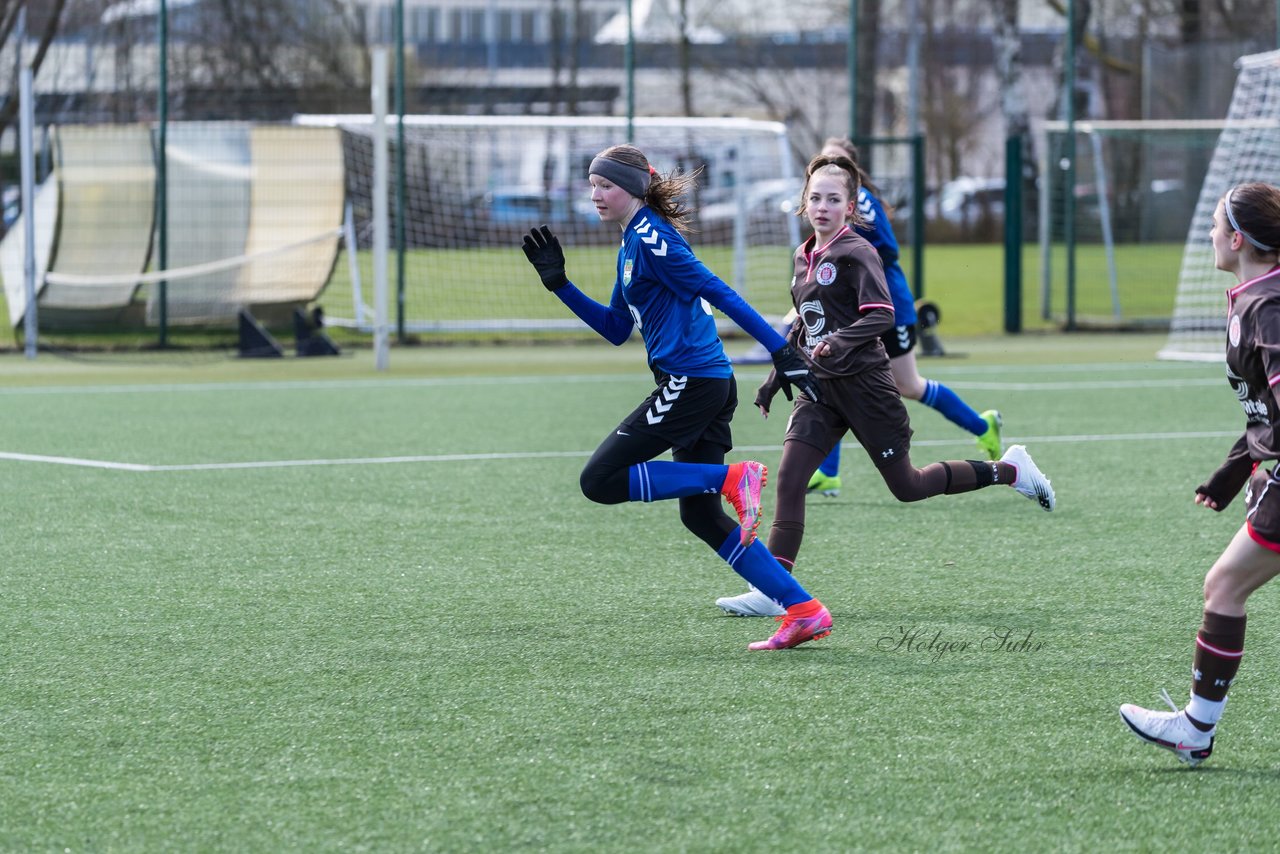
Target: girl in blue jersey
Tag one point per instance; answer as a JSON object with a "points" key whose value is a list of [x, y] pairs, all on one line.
{"points": [[663, 290], [900, 339]]}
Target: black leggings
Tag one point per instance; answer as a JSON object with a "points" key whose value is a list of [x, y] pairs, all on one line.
{"points": [[605, 480]]}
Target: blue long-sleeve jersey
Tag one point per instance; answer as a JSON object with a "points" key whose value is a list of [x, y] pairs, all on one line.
{"points": [[877, 231], [663, 290]]}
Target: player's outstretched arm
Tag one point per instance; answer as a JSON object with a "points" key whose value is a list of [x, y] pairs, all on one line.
{"points": [[542, 248], [791, 367]]}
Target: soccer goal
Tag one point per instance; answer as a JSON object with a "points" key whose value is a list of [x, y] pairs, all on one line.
{"points": [[1135, 184], [473, 186], [1247, 149]]}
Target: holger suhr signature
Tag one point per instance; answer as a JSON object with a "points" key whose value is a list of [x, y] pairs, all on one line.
{"points": [[933, 643]]}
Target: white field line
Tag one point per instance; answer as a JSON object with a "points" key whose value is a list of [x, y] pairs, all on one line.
{"points": [[746, 376], [300, 385], [531, 455]]}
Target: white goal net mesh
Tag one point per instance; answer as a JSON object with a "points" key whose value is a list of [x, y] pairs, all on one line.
{"points": [[1248, 149], [473, 186]]}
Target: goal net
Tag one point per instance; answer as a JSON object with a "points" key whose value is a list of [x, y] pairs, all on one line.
{"points": [[1134, 190], [1247, 149], [473, 186]]}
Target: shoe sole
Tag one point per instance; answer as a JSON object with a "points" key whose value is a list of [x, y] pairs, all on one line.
{"points": [[733, 613], [749, 534], [1192, 757], [1043, 499], [818, 635]]}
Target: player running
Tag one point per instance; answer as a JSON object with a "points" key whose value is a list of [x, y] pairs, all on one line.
{"points": [[843, 307], [1246, 242], [900, 339], [667, 293]]}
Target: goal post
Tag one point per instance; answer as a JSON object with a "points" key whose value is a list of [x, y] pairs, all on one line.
{"points": [[476, 184], [1247, 149], [1135, 188]]}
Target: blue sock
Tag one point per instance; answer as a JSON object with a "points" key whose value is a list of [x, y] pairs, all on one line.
{"points": [[831, 465], [657, 481], [762, 570], [950, 405]]}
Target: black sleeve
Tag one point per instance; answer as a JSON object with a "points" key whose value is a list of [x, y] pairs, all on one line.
{"points": [[1225, 483]]}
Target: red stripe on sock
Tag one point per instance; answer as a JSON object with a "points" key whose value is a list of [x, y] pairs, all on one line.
{"points": [[1225, 653]]}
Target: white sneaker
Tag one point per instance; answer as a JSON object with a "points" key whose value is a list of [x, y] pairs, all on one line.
{"points": [[1030, 481], [1170, 730], [753, 603]]}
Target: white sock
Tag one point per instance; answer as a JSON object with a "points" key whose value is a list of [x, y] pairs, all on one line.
{"points": [[1205, 711]]}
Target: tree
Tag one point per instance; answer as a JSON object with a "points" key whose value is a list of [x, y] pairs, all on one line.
{"points": [[270, 50], [42, 21], [1013, 103], [863, 124]]}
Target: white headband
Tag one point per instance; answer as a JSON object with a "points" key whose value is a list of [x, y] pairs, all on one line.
{"points": [[1231, 218]]}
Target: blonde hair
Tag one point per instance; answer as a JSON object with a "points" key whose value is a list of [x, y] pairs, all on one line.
{"points": [[667, 194]]}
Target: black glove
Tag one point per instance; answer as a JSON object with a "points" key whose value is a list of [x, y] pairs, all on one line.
{"points": [[542, 248], [793, 370]]}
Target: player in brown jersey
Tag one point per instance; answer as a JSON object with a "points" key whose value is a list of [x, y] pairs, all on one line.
{"points": [[1246, 242], [901, 338], [844, 306]]}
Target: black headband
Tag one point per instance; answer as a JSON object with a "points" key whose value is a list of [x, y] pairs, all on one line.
{"points": [[634, 179]]}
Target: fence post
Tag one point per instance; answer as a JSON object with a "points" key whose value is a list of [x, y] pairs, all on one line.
{"points": [[917, 213], [1013, 234]]}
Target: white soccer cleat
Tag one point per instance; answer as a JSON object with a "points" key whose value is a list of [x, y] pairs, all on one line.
{"points": [[1030, 481], [753, 603], [1170, 730]]}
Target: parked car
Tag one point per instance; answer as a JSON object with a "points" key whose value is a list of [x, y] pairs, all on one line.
{"points": [[531, 206], [965, 202]]}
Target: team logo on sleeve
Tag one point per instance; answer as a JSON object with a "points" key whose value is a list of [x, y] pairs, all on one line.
{"points": [[626, 272], [826, 273], [1233, 330]]}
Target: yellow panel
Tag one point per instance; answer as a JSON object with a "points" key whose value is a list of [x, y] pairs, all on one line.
{"points": [[106, 177], [297, 197]]}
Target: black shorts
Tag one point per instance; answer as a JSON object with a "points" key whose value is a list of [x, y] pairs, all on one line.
{"points": [[1262, 507], [866, 404], [899, 340], [687, 410]]}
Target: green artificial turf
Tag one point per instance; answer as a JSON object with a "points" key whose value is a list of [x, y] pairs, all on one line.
{"points": [[332, 608]]}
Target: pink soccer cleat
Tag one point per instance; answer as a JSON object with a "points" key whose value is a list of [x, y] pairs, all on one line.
{"points": [[742, 487], [796, 630]]}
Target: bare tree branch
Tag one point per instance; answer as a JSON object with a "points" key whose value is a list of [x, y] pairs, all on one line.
{"points": [[10, 110]]}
